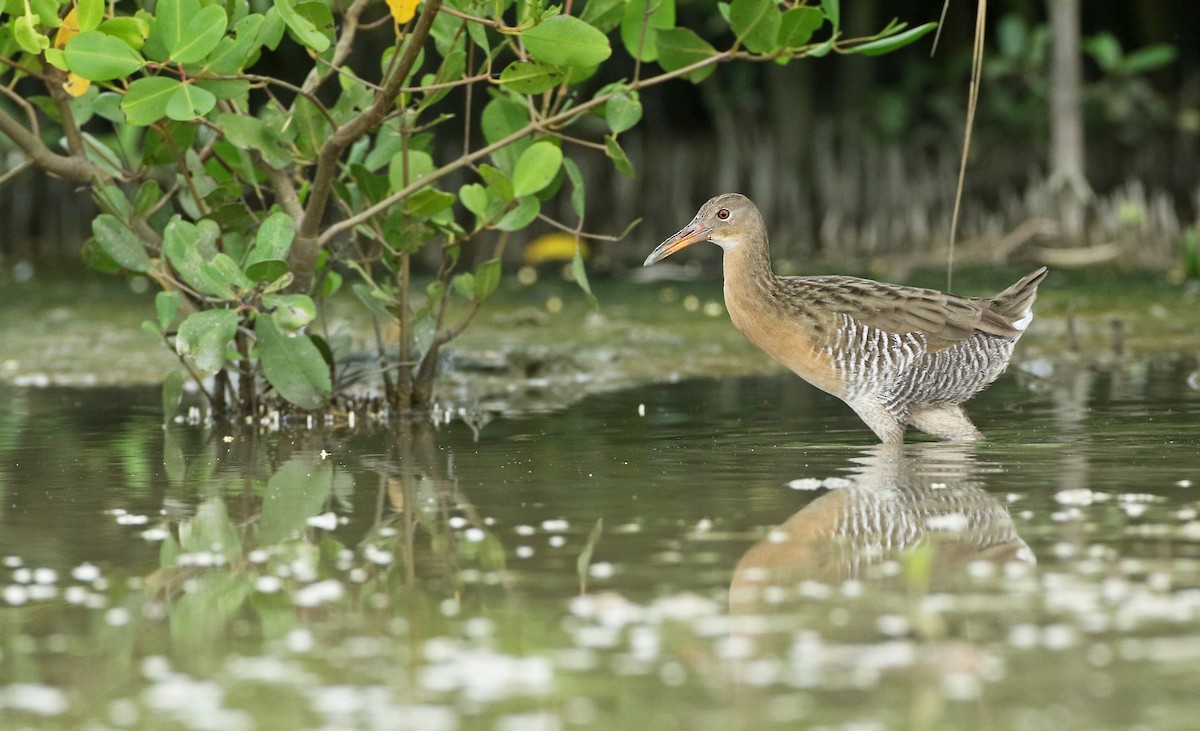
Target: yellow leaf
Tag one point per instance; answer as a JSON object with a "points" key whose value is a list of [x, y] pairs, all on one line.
{"points": [[68, 30], [76, 85], [403, 10]]}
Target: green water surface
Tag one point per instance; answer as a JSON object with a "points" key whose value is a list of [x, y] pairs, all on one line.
{"points": [[707, 554]]}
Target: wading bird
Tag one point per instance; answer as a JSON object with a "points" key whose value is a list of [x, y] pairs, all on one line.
{"points": [[897, 355]]}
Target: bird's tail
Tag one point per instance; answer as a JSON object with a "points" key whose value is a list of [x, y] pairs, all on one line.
{"points": [[1016, 302]]}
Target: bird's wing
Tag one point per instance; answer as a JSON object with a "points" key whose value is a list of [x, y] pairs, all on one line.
{"points": [[944, 319]]}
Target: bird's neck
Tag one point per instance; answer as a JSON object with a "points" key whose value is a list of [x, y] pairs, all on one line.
{"points": [[749, 280]]}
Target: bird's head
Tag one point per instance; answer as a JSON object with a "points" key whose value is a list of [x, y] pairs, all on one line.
{"points": [[726, 221]]}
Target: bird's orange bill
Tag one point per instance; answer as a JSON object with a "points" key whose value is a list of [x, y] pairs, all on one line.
{"points": [[688, 236]]}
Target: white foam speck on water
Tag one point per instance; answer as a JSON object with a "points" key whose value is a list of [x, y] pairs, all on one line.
{"points": [[117, 617], [195, 705], [42, 700], [601, 570], [1079, 497], [524, 551], [44, 576], [542, 721], [483, 675], [321, 592], [836, 483], [15, 594], [268, 584], [555, 525], [324, 521], [474, 535], [557, 541], [85, 572], [377, 555], [805, 483], [525, 530], [299, 640], [155, 535]]}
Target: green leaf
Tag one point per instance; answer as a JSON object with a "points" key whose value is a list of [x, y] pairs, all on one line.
{"points": [[603, 15], [833, 11], [680, 47], [428, 203], [305, 31], [756, 23], [172, 393], [635, 37], [297, 491], [267, 260], [622, 111], [464, 285], [89, 13], [536, 168], [204, 336], [487, 278], [29, 38], [291, 312], [147, 196], [497, 182], [521, 216], [222, 268], [420, 164], [201, 33], [111, 199], [166, 304], [579, 272], [502, 117], [320, 15], [578, 197], [99, 57], [147, 99], [132, 30], [233, 54], [293, 365], [182, 244], [891, 43], [1149, 58], [797, 26], [474, 198], [564, 40], [189, 101], [251, 133], [532, 77], [613, 149], [120, 243]]}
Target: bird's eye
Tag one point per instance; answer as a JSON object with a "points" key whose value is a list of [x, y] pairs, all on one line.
{"points": [[723, 214]]}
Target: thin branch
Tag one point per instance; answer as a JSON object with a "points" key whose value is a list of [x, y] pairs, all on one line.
{"points": [[483, 152], [20, 168], [468, 81], [77, 169], [30, 112], [285, 191], [304, 250], [70, 126], [511, 30], [341, 51], [575, 230]]}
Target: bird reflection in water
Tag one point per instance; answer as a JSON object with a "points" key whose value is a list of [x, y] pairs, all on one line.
{"points": [[897, 500]]}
